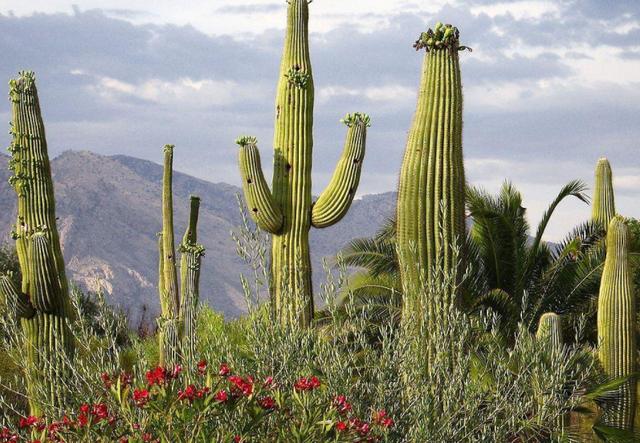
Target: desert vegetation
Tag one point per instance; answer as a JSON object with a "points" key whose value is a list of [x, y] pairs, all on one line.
{"points": [[455, 323]]}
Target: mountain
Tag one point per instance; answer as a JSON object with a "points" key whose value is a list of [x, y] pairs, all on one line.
{"points": [[109, 211]]}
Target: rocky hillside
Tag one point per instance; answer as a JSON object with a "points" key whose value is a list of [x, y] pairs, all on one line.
{"points": [[109, 214]]}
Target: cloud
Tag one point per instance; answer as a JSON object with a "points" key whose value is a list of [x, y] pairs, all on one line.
{"points": [[549, 87]]}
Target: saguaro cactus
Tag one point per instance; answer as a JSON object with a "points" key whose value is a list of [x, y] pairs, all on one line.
{"points": [[616, 324], [286, 211], [550, 330], [176, 326], [603, 208], [430, 208], [42, 303]]}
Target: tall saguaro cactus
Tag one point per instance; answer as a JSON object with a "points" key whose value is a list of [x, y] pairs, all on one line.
{"points": [[430, 208], [176, 326], [603, 208], [42, 303], [286, 210], [616, 324]]}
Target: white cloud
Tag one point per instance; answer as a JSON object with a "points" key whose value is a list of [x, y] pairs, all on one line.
{"points": [[382, 94], [184, 92], [518, 9]]}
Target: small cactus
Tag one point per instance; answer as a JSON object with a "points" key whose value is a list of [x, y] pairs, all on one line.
{"points": [[550, 331], [617, 324], [603, 208]]}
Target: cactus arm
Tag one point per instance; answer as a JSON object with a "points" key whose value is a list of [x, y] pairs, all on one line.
{"points": [[13, 297], [603, 208], [335, 200], [617, 324], [264, 210]]}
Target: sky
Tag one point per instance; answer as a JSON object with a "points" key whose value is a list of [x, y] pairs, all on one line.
{"points": [[550, 86]]}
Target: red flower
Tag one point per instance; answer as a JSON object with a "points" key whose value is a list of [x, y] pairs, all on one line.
{"points": [[202, 367], [106, 380], [27, 422], [176, 371], [307, 384], [202, 392], [140, 397], [221, 396], [244, 386], [224, 370], [125, 379], [84, 409], [188, 394], [147, 437], [341, 426], [83, 420], [341, 404], [267, 403], [268, 382], [380, 417], [100, 411], [156, 376], [237, 439]]}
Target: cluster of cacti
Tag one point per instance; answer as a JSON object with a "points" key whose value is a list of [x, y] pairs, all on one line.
{"points": [[550, 331], [617, 324], [176, 325], [603, 208], [42, 303], [286, 211], [430, 208]]}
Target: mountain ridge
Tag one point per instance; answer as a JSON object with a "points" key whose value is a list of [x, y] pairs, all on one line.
{"points": [[109, 211]]}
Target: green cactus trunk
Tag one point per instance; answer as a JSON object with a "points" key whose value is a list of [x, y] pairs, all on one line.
{"points": [[42, 303], [190, 285], [430, 208], [603, 208], [176, 325], [288, 212], [617, 324], [550, 331]]}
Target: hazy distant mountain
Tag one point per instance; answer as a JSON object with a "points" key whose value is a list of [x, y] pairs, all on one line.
{"points": [[109, 213]]}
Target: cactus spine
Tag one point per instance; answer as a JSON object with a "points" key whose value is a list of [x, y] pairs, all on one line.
{"points": [[286, 211], [603, 208], [430, 208], [42, 303], [616, 324], [176, 326], [550, 331]]}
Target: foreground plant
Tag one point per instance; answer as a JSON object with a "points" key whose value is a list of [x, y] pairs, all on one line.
{"points": [[617, 325], [42, 302], [176, 326], [286, 211]]}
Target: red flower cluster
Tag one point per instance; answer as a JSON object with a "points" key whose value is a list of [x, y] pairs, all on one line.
{"points": [[191, 392], [108, 381], [202, 367], [241, 386], [141, 397], [267, 403], [27, 422], [156, 376], [6, 436], [307, 384], [224, 370], [341, 404], [221, 396], [381, 418]]}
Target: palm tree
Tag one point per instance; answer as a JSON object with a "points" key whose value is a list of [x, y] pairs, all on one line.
{"points": [[515, 275]]}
